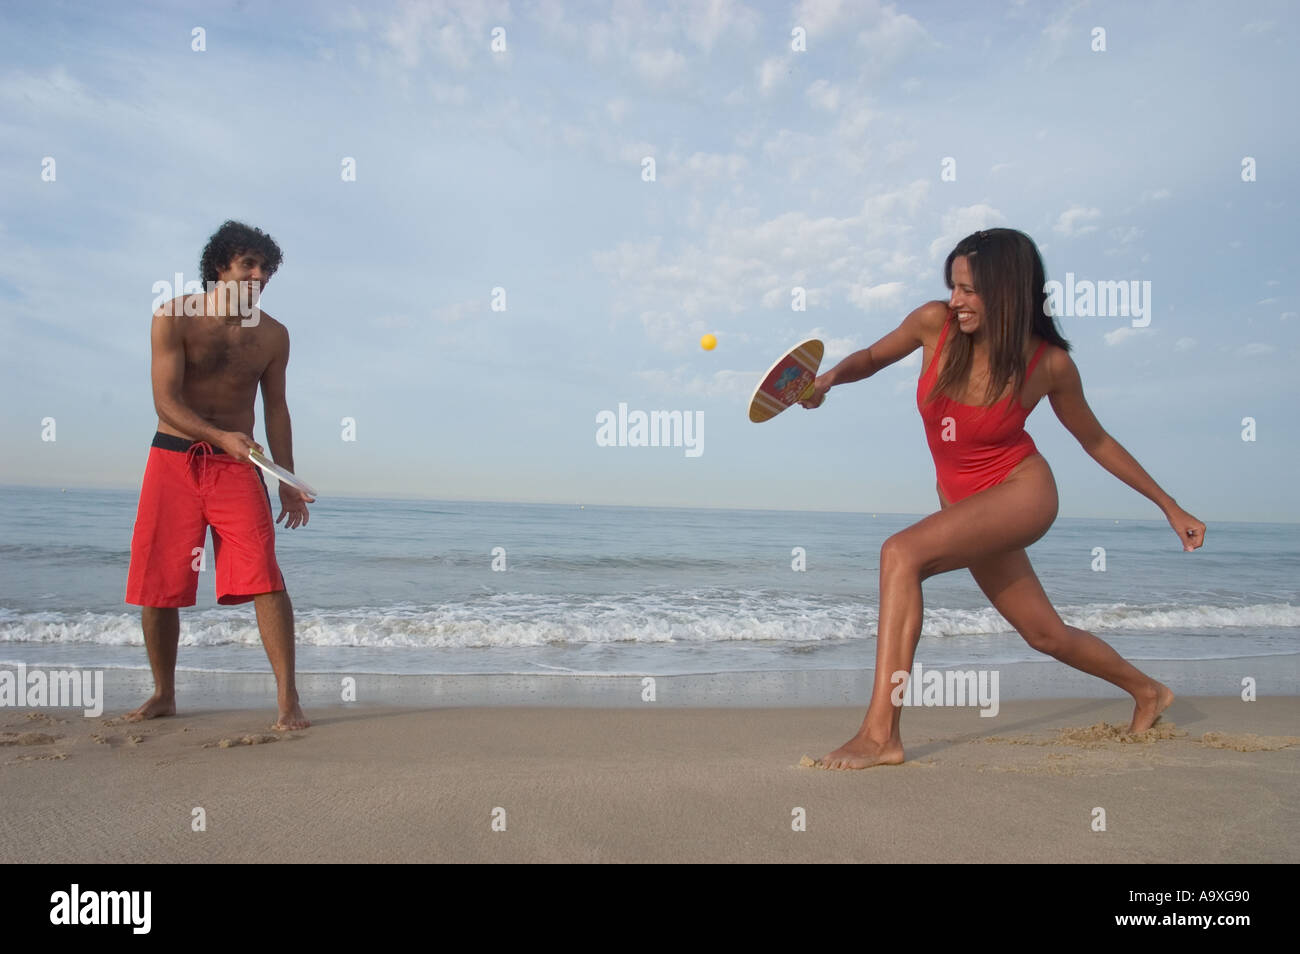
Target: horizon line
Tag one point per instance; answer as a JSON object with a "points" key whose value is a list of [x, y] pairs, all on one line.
{"points": [[633, 506]]}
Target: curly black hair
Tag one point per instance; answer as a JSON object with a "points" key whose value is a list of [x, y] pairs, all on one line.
{"points": [[229, 241]]}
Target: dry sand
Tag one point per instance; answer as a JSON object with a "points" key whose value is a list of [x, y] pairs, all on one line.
{"points": [[1214, 781]]}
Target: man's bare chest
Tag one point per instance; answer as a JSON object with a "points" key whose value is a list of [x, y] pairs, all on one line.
{"points": [[233, 355]]}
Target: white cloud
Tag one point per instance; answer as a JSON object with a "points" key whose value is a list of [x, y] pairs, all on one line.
{"points": [[1056, 37], [445, 95], [53, 93], [702, 166], [867, 297], [736, 262], [450, 32], [772, 73], [891, 38], [1121, 334], [823, 95], [719, 384], [1070, 222], [913, 360], [709, 20], [884, 34], [636, 151], [1184, 344], [459, 311], [854, 123], [1255, 349], [659, 67], [818, 17], [797, 153], [836, 348], [959, 223]]}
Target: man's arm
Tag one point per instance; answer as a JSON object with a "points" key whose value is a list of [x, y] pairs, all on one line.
{"points": [[167, 374], [279, 430]]}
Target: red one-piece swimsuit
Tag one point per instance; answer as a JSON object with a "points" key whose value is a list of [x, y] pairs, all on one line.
{"points": [[974, 448]]}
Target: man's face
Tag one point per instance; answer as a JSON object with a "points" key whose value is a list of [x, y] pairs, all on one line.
{"points": [[247, 267]]}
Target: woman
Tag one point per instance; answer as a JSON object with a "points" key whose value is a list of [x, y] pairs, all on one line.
{"points": [[996, 353]]}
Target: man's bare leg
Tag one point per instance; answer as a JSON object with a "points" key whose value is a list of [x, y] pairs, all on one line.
{"points": [[275, 622], [162, 633]]}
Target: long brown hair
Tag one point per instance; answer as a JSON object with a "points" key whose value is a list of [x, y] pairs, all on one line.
{"points": [[1008, 275]]}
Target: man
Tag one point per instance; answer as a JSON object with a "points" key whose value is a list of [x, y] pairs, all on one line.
{"points": [[211, 352]]}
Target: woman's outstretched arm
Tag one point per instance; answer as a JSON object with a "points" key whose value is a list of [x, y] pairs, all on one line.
{"points": [[895, 346], [1066, 393]]}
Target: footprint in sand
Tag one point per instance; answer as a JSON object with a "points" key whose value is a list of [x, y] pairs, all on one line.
{"points": [[43, 718], [27, 738], [1246, 742], [243, 740], [1101, 733], [1095, 736]]}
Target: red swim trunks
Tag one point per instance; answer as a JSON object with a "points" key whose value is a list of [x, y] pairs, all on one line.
{"points": [[187, 488]]}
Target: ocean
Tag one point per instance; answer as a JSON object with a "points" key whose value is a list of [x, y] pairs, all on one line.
{"points": [[409, 587]]}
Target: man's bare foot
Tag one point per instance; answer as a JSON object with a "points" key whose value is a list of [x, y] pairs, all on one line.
{"points": [[291, 718], [157, 707], [860, 753], [1150, 703]]}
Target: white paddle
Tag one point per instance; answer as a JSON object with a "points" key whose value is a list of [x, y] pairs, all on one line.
{"points": [[279, 473]]}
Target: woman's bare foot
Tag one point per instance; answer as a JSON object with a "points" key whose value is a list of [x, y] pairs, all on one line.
{"points": [[860, 753], [1152, 701], [157, 707], [291, 718]]}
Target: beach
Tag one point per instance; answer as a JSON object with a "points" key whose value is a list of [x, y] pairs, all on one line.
{"points": [[575, 778], [639, 685]]}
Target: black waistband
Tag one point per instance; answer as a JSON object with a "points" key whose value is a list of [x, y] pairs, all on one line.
{"points": [[174, 443]]}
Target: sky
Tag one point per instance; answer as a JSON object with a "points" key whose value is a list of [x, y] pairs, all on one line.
{"points": [[553, 202]]}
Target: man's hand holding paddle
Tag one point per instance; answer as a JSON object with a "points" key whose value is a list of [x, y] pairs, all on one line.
{"points": [[293, 501], [236, 444]]}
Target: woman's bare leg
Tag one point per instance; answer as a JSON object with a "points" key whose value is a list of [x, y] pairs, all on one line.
{"points": [[1010, 516], [1009, 581]]}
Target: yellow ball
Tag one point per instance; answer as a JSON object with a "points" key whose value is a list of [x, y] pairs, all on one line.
{"points": [[708, 342]]}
